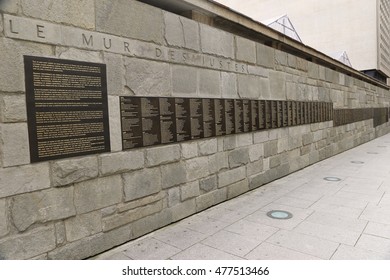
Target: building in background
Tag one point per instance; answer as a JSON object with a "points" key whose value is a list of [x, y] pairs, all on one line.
{"points": [[359, 28]]}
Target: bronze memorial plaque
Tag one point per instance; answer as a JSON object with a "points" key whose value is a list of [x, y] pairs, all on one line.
{"points": [[67, 111], [220, 123]]}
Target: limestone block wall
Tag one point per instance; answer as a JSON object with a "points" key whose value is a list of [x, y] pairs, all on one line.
{"points": [[77, 207]]}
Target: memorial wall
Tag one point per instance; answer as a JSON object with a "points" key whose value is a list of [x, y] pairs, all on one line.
{"points": [[118, 118]]}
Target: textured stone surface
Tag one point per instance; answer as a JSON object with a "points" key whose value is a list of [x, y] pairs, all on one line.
{"points": [[208, 184], [189, 150], [91, 245], [278, 85], [83, 225], [209, 83], [184, 80], [13, 108], [208, 147], [69, 171], [127, 217], [115, 74], [197, 168], [189, 190], [245, 50], [115, 123], [14, 144], [130, 19], [10, 6], [75, 12], [270, 148], [161, 155], [30, 244], [229, 85], [141, 183], [265, 56], [248, 86], [173, 175], [97, 194], [181, 32], [60, 232], [237, 188], [147, 78], [3, 218], [209, 199], [183, 210], [120, 162], [42, 206], [231, 176], [28, 178], [214, 41], [138, 203], [173, 196], [238, 157]]}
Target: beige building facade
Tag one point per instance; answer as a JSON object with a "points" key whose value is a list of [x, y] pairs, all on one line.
{"points": [[359, 27]]}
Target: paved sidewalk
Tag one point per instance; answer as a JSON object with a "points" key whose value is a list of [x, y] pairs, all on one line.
{"points": [[346, 219]]}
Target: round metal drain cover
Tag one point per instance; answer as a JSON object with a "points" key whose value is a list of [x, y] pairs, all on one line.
{"points": [[279, 214], [357, 162], [332, 179]]}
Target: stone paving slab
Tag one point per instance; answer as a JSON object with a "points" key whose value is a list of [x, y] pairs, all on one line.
{"points": [[345, 219]]}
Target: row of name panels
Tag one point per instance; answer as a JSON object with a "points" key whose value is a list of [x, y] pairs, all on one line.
{"points": [[150, 121]]}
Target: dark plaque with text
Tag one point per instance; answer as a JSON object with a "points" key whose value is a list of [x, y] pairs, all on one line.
{"points": [[67, 110], [229, 116], [196, 111], [285, 113], [262, 115], [220, 124], [150, 121], [246, 104], [167, 120], [239, 115], [131, 122], [268, 114], [208, 117], [183, 119], [254, 115]]}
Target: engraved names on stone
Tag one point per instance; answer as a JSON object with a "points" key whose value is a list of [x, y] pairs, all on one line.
{"points": [[159, 120], [67, 111]]}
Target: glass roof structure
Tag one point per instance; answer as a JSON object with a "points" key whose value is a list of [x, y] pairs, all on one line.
{"points": [[342, 57], [283, 25]]}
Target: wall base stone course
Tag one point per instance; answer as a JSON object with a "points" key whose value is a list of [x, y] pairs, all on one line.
{"points": [[91, 245]]}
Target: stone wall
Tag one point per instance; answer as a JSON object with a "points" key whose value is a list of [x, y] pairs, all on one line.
{"points": [[77, 207]]}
